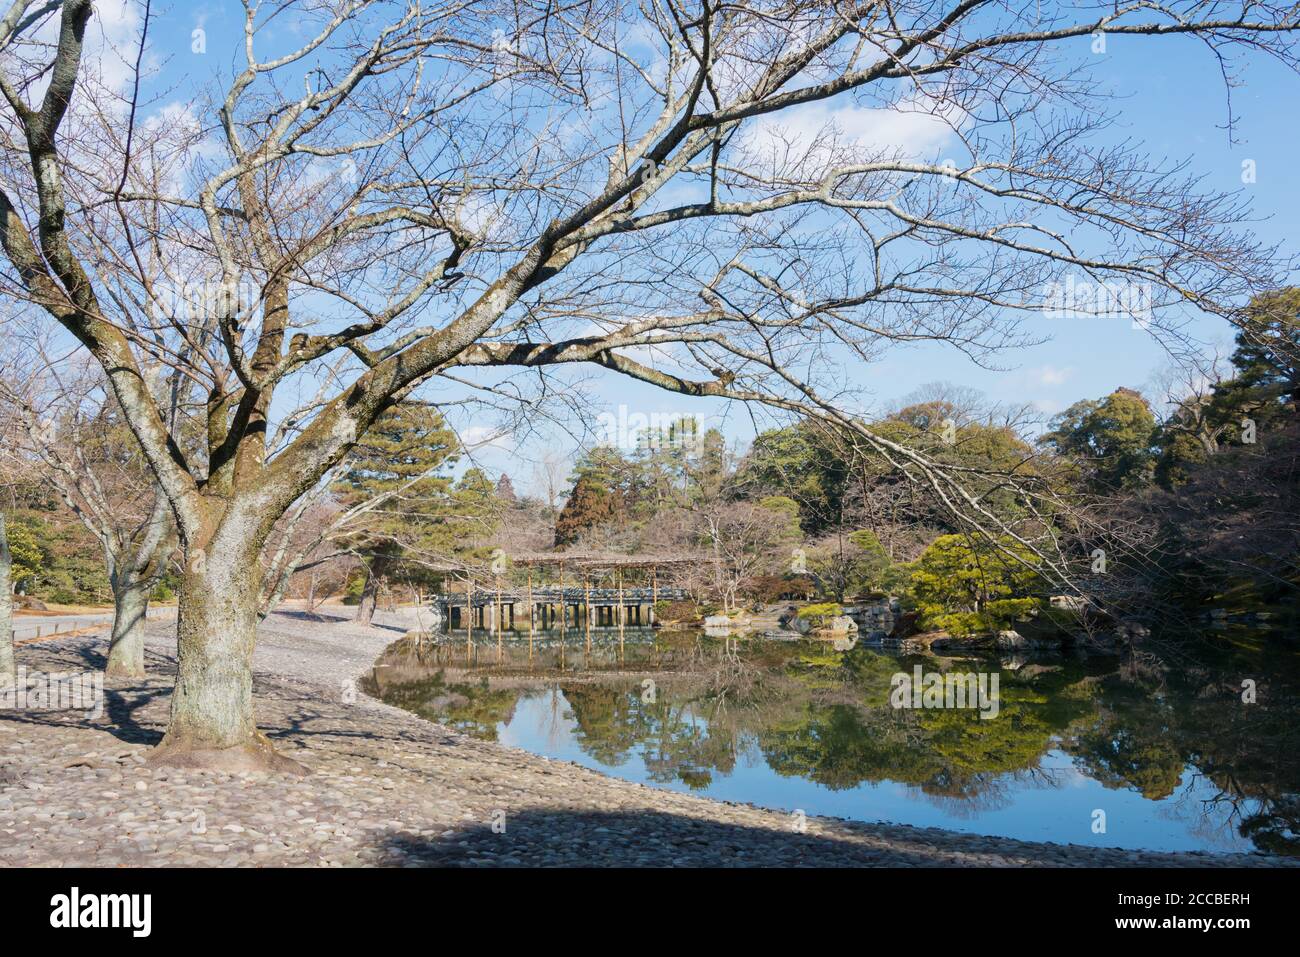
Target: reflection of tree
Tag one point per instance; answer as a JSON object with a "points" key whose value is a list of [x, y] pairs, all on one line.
{"points": [[945, 752], [1276, 828], [824, 715], [608, 722], [1129, 745], [1146, 735], [473, 708], [673, 740], [834, 746]]}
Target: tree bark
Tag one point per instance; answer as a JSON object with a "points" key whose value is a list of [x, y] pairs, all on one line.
{"points": [[369, 600], [212, 724], [126, 642], [7, 670], [377, 573], [135, 565]]}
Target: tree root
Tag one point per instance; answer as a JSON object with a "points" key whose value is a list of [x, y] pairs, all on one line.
{"points": [[257, 755]]}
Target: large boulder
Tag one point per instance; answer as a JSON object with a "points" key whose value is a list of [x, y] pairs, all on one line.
{"points": [[877, 620], [429, 618], [717, 625], [1013, 640], [841, 625]]}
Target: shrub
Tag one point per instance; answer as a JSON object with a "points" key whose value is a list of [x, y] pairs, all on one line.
{"points": [[965, 585], [826, 609]]}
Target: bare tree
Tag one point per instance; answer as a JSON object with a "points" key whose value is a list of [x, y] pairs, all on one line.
{"points": [[1188, 391], [745, 539], [72, 435], [467, 188]]}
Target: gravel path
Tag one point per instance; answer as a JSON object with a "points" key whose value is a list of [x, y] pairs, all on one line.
{"points": [[391, 789]]}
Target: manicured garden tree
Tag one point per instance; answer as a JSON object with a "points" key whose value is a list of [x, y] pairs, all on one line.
{"points": [[450, 192], [965, 585]]}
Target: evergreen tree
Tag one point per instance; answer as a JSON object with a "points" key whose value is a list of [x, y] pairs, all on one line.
{"points": [[1112, 440], [1267, 357], [589, 504], [604, 483], [397, 474], [1264, 390]]}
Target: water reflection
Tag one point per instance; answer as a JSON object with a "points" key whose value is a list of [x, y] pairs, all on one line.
{"points": [[1169, 751]]}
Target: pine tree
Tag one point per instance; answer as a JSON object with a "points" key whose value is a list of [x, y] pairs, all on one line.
{"points": [[589, 504], [397, 475], [1267, 358]]}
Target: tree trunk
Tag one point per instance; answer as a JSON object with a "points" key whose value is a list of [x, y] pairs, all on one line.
{"points": [[7, 671], [126, 644], [369, 600], [212, 724], [133, 570], [370, 594]]}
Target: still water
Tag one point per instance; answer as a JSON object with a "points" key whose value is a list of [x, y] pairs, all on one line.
{"points": [[1164, 748]]}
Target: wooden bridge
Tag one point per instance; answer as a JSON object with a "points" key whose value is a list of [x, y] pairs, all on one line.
{"points": [[496, 606], [548, 608]]}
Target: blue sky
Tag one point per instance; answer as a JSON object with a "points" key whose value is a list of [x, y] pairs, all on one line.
{"points": [[1173, 100]]}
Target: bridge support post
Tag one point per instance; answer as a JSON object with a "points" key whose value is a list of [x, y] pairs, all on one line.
{"points": [[654, 593]]}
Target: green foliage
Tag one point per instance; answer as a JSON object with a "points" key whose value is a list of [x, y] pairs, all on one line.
{"points": [[800, 463], [784, 506], [961, 584], [1267, 356], [25, 554], [828, 609], [1264, 389], [55, 558], [404, 461], [353, 588], [1112, 440]]}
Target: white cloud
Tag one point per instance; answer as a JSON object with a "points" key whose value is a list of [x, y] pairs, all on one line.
{"points": [[817, 134], [1050, 375]]}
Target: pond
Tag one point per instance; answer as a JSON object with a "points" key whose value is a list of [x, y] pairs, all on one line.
{"points": [[1155, 752]]}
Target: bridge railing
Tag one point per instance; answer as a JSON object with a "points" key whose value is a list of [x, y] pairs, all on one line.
{"points": [[575, 595]]}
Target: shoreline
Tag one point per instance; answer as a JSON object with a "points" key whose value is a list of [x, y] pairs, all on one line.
{"points": [[390, 788]]}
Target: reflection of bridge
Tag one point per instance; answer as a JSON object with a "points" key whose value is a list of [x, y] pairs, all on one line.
{"points": [[550, 608]]}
